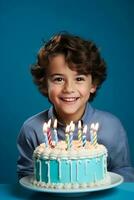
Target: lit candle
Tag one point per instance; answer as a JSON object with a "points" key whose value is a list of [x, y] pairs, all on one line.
{"points": [[84, 135], [55, 131], [91, 132], [72, 128], [67, 137], [94, 128], [79, 131], [45, 133], [49, 133], [49, 123]]}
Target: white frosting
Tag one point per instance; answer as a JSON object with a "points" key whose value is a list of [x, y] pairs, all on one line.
{"points": [[60, 151], [105, 181], [40, 175], [48, 172]]}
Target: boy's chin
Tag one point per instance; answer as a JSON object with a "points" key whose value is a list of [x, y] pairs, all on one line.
{"points": [[69, 112]]}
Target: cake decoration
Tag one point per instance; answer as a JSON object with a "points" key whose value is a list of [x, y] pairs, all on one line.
{"points": [[80, 131], [55, 131], [93, 130], [71, 163], [51, 137]]}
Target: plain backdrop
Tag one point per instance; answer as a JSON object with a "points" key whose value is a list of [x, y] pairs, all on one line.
{"points": [[24, 25]]}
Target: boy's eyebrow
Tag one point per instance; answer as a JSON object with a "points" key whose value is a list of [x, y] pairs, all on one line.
{"points": [[54, 75], [51, 75]]}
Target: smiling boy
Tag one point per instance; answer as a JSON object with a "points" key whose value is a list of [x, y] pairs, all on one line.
{"points": [[69, 71], [68, 90]]}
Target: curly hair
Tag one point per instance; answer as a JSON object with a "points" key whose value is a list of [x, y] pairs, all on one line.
{"points": [[81, 55]]}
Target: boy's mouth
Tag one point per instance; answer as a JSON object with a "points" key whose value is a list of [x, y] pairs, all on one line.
{"points": [[69, 99]]}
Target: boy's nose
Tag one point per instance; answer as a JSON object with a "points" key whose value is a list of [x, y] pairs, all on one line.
{"points": [[69, 87]]}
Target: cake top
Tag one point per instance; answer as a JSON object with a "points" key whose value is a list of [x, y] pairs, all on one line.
{"points": [[52, 148], [60, 151]]}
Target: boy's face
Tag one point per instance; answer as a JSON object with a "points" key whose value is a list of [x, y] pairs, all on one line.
{"points": [[67, 90]]}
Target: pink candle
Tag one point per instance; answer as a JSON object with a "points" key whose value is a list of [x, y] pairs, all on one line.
{"points": [[49, 133]]}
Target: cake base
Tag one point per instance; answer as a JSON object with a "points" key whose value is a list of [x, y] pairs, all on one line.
{"points": [[74, 168], [27, 182], [105, 181]]}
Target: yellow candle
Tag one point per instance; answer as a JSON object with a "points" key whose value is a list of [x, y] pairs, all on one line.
{"points": [[94, 128], [67, 137], [94, 138]]}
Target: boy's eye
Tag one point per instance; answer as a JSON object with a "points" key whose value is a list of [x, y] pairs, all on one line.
{"points": [[80, 78], [57, 79]]}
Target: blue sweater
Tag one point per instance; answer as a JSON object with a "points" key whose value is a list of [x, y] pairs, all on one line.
{"points": [[111, 133]]}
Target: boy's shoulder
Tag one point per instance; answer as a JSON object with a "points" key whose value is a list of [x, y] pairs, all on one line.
{"points": [[106, 114], [32, 127], [36, 119], [106, 117]]}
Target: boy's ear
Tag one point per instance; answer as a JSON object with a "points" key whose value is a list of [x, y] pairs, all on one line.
{"points": [[93, 89]]}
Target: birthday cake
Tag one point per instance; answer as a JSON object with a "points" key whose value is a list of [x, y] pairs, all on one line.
{"points": [[70, 163]]}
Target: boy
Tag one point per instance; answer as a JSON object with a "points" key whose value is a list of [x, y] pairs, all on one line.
{"points": [[69, 71]]}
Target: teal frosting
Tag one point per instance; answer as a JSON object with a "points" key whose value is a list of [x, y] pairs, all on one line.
{"points": [[87, 170]]}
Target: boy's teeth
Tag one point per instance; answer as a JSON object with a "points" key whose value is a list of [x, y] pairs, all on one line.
{"points": [[69, 99]]}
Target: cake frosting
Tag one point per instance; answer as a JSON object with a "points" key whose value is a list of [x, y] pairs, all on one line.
{"points": [[56, 166]]}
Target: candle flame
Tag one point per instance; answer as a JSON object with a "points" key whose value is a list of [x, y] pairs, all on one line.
{"points": [[55, 123], [85, 129], [67, 129], [79, 124], [45, 126], [71, 126], [94, 126], [49, 123]]}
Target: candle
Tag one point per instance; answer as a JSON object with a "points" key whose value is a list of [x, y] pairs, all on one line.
{"points": [[67, 136], [49, 133], [55, 131], [95, 139], [79, 131], [91, 132], [84, 135], [49, 123], [72, 128], [94, 128], [95, 133], [45, 133]]}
